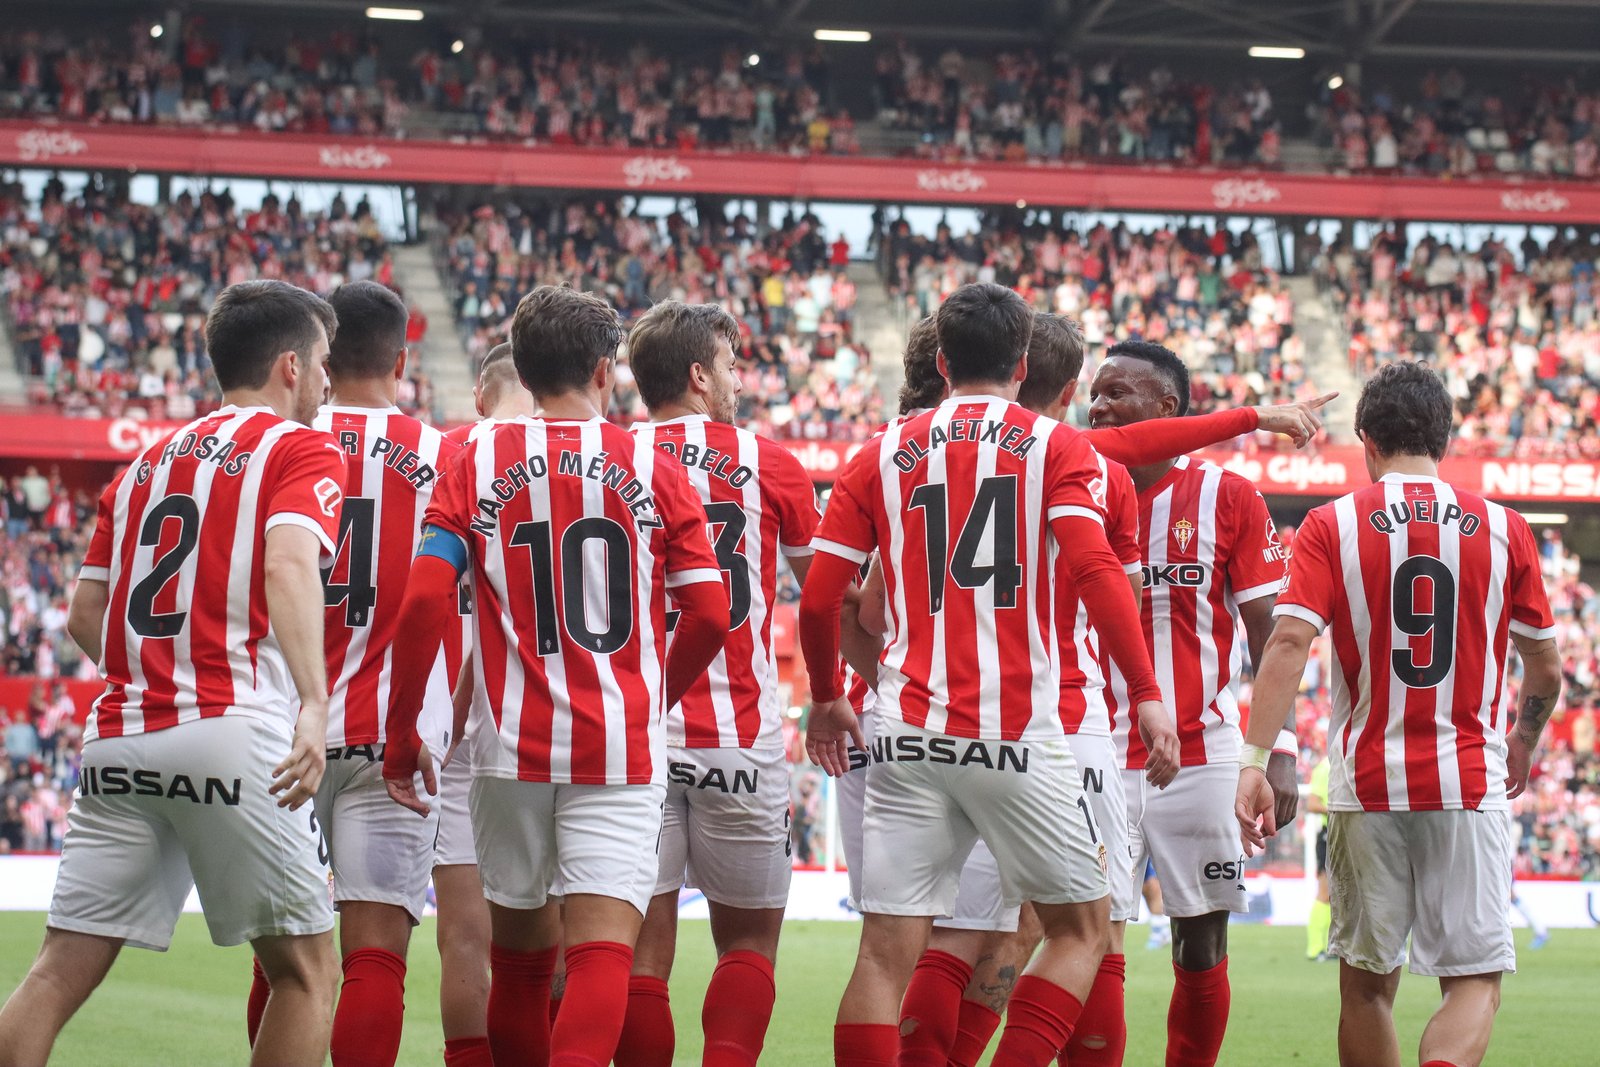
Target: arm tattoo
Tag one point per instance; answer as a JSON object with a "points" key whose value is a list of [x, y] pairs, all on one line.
{"points": [[1529, 721]]}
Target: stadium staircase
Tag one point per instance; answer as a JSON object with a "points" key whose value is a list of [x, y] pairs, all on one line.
{"points": [[1327, 361], [442, 355], [882, 329], [12, 390]]}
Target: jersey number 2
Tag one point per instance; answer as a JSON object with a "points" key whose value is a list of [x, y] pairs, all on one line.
{"points": [[1440, 621], [142, 615], [994, 511]]}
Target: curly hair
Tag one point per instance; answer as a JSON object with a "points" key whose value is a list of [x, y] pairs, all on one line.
{"points": [[1404, 410]]}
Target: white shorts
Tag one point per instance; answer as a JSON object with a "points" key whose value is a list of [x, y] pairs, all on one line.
{"points": [[852, 789], [1441, 877], [599, 839], [453, 846], [157, 814], [1188, 829], [978, 903], [930, 798], [726, 821], [380, 851]]}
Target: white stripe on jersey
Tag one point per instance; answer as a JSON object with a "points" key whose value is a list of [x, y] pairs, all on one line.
{"points": [[1444, 694], [1494, 706], [645, 459], [1356, 597], [1394, 734]]}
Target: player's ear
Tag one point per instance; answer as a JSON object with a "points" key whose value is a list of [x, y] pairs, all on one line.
{"points": [[1068, 393], [941, 365], [1020, 375], [400, 360]]}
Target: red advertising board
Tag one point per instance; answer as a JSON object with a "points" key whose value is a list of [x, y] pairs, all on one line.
{"points": [[1328, 472], [1099, 187]]}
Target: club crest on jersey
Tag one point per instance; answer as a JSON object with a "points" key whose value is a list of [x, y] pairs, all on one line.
{"points": [[1183, 533]]}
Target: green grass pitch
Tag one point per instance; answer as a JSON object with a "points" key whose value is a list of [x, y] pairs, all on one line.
{"points": [[187, 1006]]}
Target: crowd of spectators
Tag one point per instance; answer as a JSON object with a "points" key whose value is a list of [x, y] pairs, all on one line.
{"points": [[804, 371], [1204, 294], [1447, 126], [1513, 331], [106, 298], [1032, 105]]}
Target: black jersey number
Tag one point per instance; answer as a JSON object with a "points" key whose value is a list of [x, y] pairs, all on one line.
{"points": [[1439, 620], [358, 522], [991, 523], [729, 521], [616, 572], [142, 600]]}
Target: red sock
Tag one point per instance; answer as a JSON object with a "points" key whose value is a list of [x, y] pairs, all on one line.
{"points": [[1039, 1022], [975, 1026], [1198, 1017], [372, 1008], [555, 1009], [737, 1010], [1438, 1063], [256, 1006], [519, 983], [467, 1052], [595, 1004], [1101, 1036], [865, 1045], [929, 1010], [647, 1039]]}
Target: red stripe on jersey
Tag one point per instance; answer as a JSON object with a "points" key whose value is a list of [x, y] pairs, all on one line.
{"points": [[758, 501], [1422, 704], [1372, 782], [1083, 698]]}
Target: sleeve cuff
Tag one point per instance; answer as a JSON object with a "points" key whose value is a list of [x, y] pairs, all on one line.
{"points": [[1256, 592], [834, 548], [797, 550], [1132, 568], [678, 579], [1071, 511], [1537, 633], [1304, 614], [294, 518], [1287, 743], [95, 574]]}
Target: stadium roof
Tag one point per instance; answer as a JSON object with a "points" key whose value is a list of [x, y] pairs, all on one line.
{"points": [[1331, 31]]}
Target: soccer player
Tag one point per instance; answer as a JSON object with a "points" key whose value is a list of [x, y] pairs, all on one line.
{"points": [[1212, 565], [201, 598], [727, 813], [967, 506], [380, 855], [1424, 588], [574, 533], [1321, 919], [462, 930]]}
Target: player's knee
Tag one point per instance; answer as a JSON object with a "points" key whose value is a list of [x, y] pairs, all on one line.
{"points": [[1201, 942], [307, 965]]}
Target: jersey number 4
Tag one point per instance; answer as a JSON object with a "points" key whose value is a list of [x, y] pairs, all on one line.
{"points": [[990, 524], [358, 523]]}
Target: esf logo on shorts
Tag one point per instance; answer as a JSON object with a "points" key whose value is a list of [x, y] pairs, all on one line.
{"points": [[951, 751], [714, 778], [121, 782], [1225, 871]]}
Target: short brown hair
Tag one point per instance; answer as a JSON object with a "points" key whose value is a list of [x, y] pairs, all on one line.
{"points": [[669, 339], [1055, 358], [372, 330], [497, 373], [1405, 410], [252, 323], [983, 332], [923, 387], [559, 336]]}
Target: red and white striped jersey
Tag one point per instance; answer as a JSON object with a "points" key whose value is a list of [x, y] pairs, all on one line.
{"points": [[1208, 546], [459, 640], [181, 542], [1422, 585], [575, 532], [759, 502], [1083, 683], [394, 463], [958, 503]]}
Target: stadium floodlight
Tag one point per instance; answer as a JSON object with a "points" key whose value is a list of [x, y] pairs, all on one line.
{"points": [[848, 36], [1545, 518], [456, 46], [395, 14], [156, 29], [753, 59], [1272, 51], [1336, 81]]}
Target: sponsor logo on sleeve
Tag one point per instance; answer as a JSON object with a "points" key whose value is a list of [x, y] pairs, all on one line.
{"points": [[328, 496]]}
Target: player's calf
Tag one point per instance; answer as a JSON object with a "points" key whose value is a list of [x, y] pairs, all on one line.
{"points": [[70, 966], [648, 1038], [463, 938], [303, 972], [1458, 1034], [743, 990]]}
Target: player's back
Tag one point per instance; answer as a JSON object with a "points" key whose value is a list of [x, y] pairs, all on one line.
{"points": [[394, 464], [571, 528], [961, 503], [759, 504], [181, 543], [1421, 585]]}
